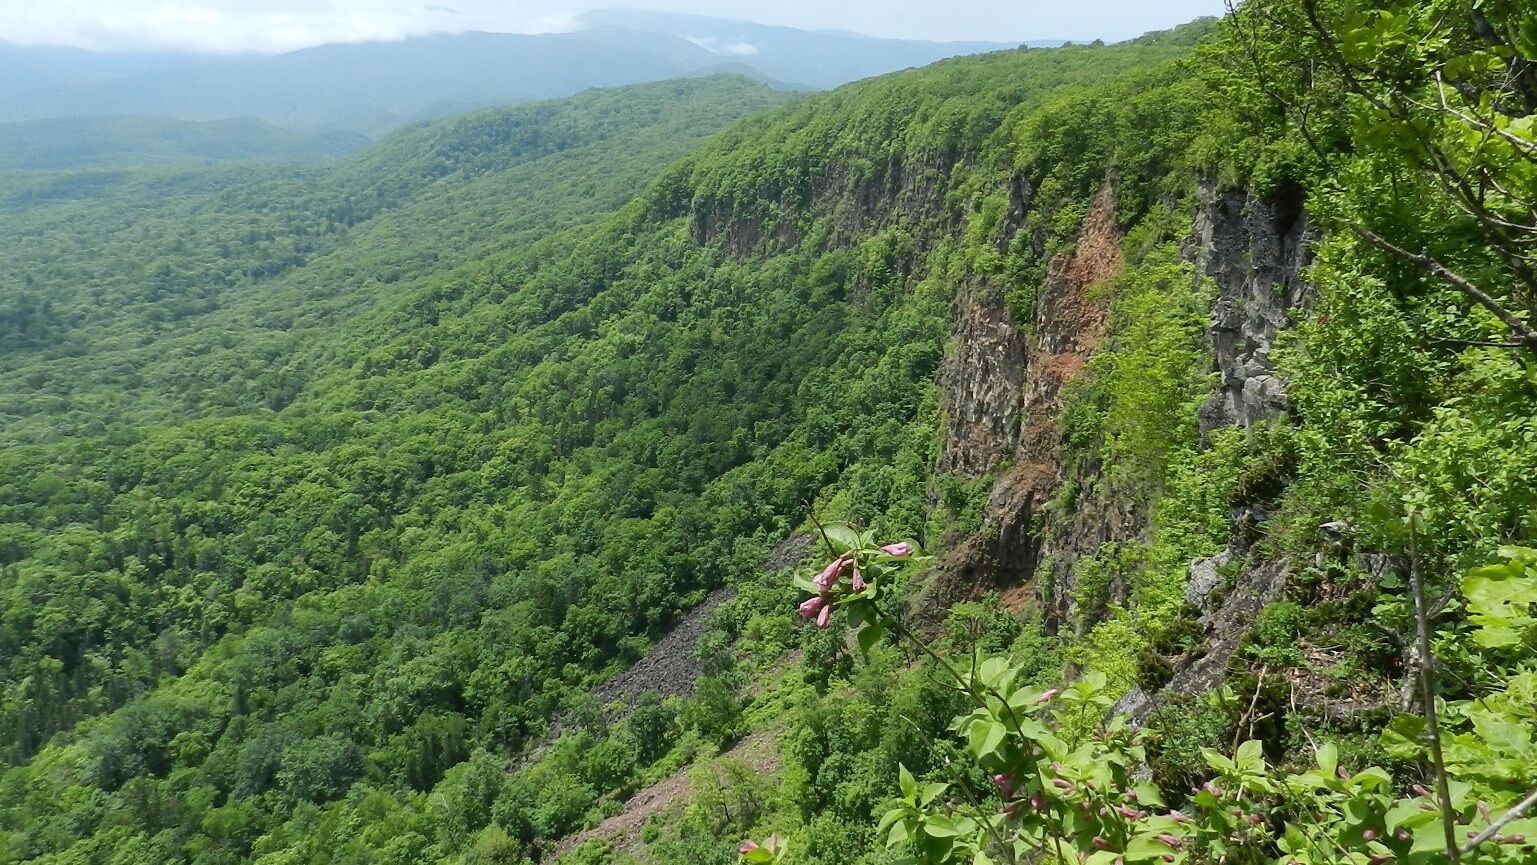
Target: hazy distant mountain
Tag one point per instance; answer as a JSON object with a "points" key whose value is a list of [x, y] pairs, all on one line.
{"points": [[375, 86], [820, 58]]}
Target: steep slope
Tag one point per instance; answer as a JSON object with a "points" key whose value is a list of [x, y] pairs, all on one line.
{"points": [[514, 476], [1019, 308]]}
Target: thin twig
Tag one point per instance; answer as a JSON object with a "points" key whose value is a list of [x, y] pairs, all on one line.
{"points": [[1427, 687], [1516, 811], [1522, 331]]}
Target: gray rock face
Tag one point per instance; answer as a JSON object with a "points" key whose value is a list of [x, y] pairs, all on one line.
{"points": [[1205, 576], [1227, 625], [982, 378], [1255, 250]]}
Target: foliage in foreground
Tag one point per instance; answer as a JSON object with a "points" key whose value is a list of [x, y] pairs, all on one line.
{"points": [[1065, 784]]}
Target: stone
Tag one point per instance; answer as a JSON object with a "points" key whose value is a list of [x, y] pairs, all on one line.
{"points": [[1204, 577]]}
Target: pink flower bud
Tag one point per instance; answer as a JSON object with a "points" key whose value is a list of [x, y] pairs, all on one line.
{"points": [[1047, 697], [900, 550], [1517, 838], [1062, 783], [810, 607], [1037, 801], [1257, 819], [1402, 835], [1099, 842], [1212, 789], [1179, 817], [829, 576], [858, 579], [1168, 857], [1419, 790], [1128, 813], [825, 617], [1004, 783], [1483, 811], [1340, 772], [1369, 835], [747, 847], [1170, 840]]}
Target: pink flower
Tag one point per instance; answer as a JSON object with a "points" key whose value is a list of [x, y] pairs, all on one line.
{"points": [[1100, 842], [858, 579], [1047, 697], [1005, 784], [1179, 817], [830, 574], [825, 617], [901, 549], [1170, 840], [1128, 812], [810, 607], [747, 847], [1368, 835], [1212, 789], [1037, 801]]}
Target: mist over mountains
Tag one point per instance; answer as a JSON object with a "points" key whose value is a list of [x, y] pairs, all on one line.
{"points": [[372, 87]]}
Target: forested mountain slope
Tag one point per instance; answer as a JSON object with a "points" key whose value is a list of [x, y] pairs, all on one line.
{"points": [[74, 143], [1097, 328], [134, 296]]}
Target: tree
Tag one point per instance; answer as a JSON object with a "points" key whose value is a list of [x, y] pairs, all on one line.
{"points": [[1421, 116]]}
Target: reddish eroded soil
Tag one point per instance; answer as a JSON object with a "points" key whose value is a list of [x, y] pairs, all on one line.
{"points": [[623, 830], [1070, 322]]}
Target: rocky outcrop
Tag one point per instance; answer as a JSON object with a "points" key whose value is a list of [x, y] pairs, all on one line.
{"points": [[982, 378], [1226, 625], [1255, 250], [1002, 396]]}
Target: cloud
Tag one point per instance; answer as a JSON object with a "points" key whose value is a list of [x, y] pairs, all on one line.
{"points": [[729, 47], [254, 25]]}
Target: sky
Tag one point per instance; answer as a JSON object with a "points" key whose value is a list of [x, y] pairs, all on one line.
{"points": [[284, 25]]}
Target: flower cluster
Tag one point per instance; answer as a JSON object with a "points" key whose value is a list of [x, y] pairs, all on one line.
{"points": [[856, 566]]}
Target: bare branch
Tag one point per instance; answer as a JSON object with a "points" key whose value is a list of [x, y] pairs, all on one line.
{"points": [[1516, 811], [1523, 332]]}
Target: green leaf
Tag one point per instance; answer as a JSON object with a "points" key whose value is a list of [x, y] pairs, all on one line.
{"points": [[870, 635], [1215, 760], [1404, 737], [842, 536], [931, 792], [940, 826], [985, 735], [1328, 757], [1251, 756], [908, 785]]}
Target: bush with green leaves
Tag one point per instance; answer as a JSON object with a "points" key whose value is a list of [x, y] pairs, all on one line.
{"points": [[1067, 785]]}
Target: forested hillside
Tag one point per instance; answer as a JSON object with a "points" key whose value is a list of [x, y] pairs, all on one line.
{"points": [[1144, 432]]}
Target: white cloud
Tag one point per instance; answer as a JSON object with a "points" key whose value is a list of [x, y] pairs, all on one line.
{"points": [[252, 25], [730, 47], [279, 25]]}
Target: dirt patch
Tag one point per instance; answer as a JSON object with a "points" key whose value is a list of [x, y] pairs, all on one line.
{"points": [[623, 830]]}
